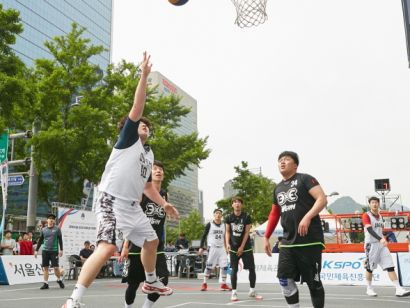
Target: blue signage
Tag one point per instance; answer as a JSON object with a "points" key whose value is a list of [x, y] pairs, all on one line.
{"points": [[16, 180]]}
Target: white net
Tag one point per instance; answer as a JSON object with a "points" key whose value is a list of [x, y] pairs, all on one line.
{"points": [[250, 12]]}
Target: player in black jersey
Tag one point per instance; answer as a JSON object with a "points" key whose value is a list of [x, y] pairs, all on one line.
{"points": [[238, 226], [133, 272], [298, 200]]}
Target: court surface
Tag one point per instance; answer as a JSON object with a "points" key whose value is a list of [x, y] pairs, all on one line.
{"points": [[110, 293]]}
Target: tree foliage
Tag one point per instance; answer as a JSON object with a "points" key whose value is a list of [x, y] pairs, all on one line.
{"points": [[256, 191], [16, 94], [191, 225], [77, 107]]}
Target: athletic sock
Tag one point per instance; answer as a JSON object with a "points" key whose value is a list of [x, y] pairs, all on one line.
{"points": [[127, 306], [369, 283], [233, 291], [151, 276], [148, 303], [251, 289], [396, 283], [46, 282], [78, 292], [294, 305]]}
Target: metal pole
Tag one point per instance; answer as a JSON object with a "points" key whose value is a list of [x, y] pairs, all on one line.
{"points": [[32, 188]]}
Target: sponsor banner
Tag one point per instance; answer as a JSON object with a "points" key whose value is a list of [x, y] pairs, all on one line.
{"points": [[337, 269], [24, 269], [348, 268], [404, 266], [77, 226]]}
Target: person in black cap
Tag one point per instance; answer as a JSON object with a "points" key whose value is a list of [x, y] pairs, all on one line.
{"points": [[297, 201], [52, 240]]}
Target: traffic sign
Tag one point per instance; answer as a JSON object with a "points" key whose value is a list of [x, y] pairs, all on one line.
{"points": [[16, 180], [4, 144]]}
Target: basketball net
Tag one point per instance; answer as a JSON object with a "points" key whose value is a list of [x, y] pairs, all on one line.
{"points": [[250, 12]]}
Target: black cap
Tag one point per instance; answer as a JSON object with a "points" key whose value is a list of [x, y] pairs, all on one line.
{"points": [[218, 210], [51, 215], [291, 154]]}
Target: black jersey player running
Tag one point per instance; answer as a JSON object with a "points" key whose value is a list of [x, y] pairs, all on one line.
{"points": [[297, 201], [134, 270], [238, 226]]}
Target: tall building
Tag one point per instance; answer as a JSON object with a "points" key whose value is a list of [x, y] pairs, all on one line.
{"points": [[43, 20], [183, 192], [228, 190]]}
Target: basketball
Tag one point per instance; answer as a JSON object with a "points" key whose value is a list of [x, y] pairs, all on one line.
{"points": [[178, 2]]}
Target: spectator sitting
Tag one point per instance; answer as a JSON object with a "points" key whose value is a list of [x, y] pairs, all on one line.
{"points": [[86, 251], [170, 247], [181, 242], [26, 246], [8, 245], [275, 248]]}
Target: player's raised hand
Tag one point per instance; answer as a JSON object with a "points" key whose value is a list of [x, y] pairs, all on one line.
{"points": [[145, 65]]}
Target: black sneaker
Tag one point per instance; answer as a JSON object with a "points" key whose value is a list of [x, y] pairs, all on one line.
{"points": [[60, 283], [44, 286]]}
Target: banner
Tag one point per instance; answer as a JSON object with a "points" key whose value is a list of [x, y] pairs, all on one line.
{"points": [[337, 269], [24, 269], [406, 15], [404, 266], [77, 226]]}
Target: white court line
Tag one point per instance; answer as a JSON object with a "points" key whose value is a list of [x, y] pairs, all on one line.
{"points": [[227, 304]]}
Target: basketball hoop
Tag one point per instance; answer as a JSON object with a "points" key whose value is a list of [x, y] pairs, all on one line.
{"points": [[250, 12]]}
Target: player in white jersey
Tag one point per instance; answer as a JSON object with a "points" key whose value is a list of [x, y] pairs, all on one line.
{"points": [[376, 249], [214, 235], [119, 215]]}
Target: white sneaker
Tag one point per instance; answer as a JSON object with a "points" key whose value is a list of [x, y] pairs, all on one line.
{"points": [[371, 292], [156, 287], [234, 297], [253, 294], [401, 292], [70, 303]]}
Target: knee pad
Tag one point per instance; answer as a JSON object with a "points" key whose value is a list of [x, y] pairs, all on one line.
{"points": [[288, 286], [390, 269]]}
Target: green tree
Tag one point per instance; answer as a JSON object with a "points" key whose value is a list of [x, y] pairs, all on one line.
{"points": [[191, 225], [75, 139], [15, 92], [72, 142], [256, 191]]}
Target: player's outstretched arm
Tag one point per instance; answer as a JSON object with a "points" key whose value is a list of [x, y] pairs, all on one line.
{"points": [[151, 192], [140, 93]]}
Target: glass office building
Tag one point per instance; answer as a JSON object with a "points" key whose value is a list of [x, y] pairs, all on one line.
{"points": [[183, 191], [45, 19]]}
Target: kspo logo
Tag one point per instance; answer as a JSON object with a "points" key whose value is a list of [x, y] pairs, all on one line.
{"points": [[341, 264], [152, 209], [237, 227], [291, 195]]}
